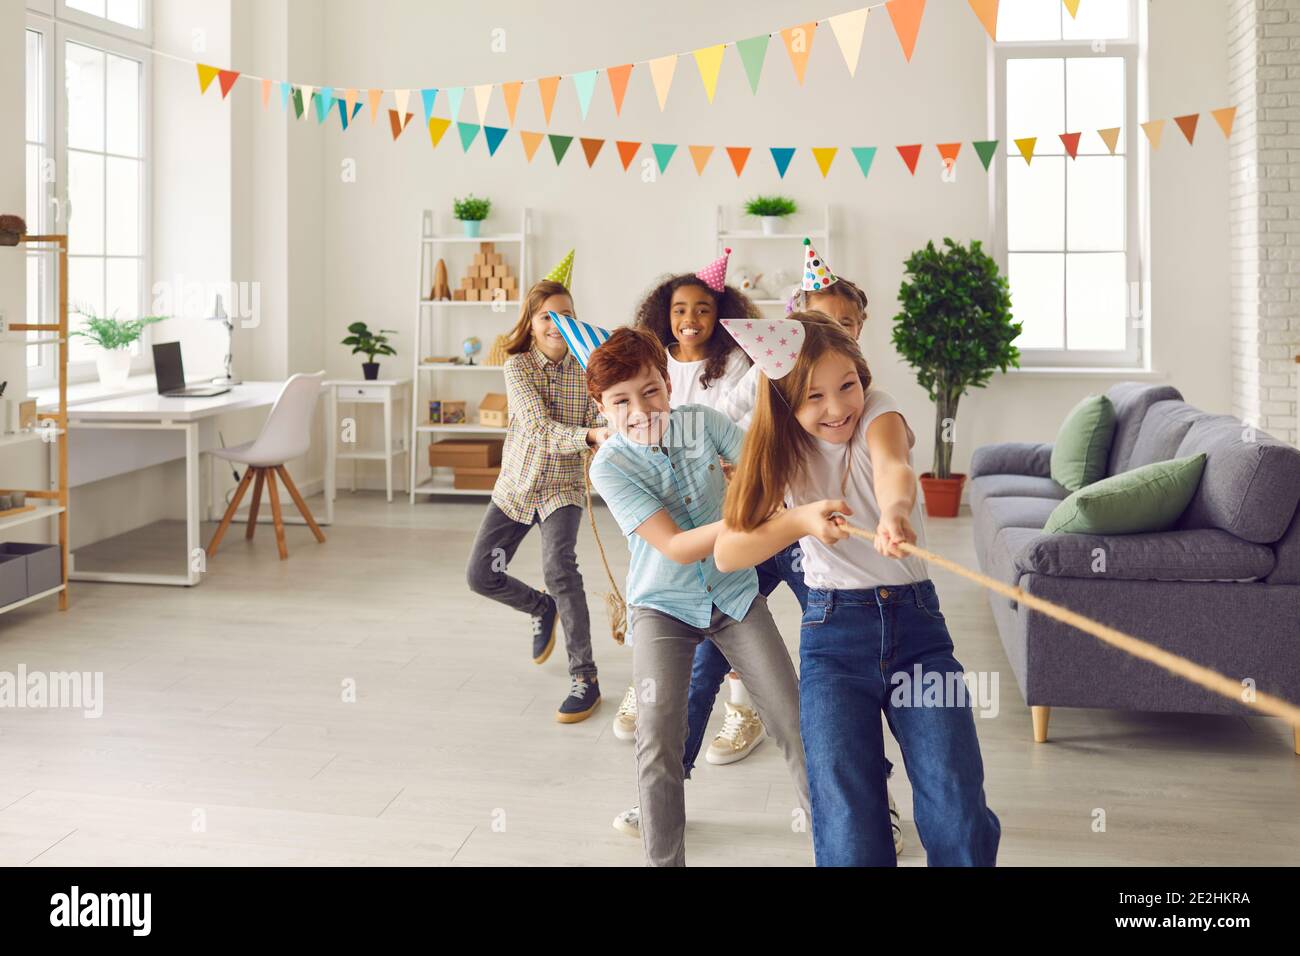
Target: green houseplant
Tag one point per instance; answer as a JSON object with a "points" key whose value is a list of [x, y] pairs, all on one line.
{"points": [[114, 337], [471, 211], [955, 329], [370, 344], [770, 210]]}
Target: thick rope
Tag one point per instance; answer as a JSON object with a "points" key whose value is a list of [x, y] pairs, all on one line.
{"points": [[615, 605], [1178, 666]]}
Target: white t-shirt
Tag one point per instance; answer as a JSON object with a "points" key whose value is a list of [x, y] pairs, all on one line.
{"points": [[685, 379], [738, 405], [854, 563]]}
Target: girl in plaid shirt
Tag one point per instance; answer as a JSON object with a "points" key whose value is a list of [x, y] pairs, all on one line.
{"points": [[553, 422]]}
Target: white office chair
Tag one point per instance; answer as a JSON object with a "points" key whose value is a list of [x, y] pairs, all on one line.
{"points": [[285, 436]]}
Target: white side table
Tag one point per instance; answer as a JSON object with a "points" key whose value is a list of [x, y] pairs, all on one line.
{"points": [[386, 392]]}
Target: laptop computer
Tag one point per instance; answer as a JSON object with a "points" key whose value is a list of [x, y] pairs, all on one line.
{"points": [[169, 372]]}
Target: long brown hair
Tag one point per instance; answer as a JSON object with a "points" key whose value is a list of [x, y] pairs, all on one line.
{"points": [[521, 336], [777, 445], [655, 314]]}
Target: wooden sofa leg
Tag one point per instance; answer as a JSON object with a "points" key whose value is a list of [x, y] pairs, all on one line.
{"points": [[1040, 716], [1295, 736]]}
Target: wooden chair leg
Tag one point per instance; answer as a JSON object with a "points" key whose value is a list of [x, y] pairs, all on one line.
{"points": [[1295, 735], [302, 505], [230, 512], [1040, 716], [257, 500], [275, 514]]}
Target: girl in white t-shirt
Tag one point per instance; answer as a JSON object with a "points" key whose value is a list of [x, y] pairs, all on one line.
{"points": [[823, 444]]}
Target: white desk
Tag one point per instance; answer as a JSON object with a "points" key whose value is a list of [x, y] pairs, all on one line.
{"points": [[386, 392], [98, 451]]}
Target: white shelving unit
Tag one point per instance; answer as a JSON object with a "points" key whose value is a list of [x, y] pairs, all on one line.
{"points": [[433, 330], [731, 237]]}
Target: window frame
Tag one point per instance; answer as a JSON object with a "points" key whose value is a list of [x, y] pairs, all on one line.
{"points": [[142, 35], [1136, 354], [43, 373]]}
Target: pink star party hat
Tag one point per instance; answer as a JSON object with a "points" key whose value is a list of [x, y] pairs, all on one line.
{"points": [[714, 274], [773, 344]]}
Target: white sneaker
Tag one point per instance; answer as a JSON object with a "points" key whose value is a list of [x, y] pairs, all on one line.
{"points": [[625, 719], [894, 824], [741, 732], [629, 822]]}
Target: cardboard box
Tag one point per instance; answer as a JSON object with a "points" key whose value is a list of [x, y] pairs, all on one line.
{"points": [[476, 479], [453, 412], [493, 410], [466, 453]]}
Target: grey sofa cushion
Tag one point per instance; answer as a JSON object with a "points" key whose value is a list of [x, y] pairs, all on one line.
{"points": [[1251, 483], [1012, 458], [1013, 486], [1287, 552], [1199, 555], [995, 514], [1163, 429], [1131, 401]]}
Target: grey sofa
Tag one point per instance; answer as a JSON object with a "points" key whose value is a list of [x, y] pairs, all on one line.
{"points": [[1222, 588]]}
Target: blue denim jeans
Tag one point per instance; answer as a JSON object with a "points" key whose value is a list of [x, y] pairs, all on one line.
{"points": [[852, 647], [710, 666]]}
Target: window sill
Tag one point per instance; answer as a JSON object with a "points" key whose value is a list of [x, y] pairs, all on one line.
{"points": [[1066, 371], [83, 392]]}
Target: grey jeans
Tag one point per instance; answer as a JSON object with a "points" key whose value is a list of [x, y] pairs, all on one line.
{"points": [[498, 538], [662, 650]]}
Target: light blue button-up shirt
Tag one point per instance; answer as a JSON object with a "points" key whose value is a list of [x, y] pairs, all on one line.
{"points": [[684, 477]]}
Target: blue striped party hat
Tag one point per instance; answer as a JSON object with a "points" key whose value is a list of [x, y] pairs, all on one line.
{"points": [[582, 339]]}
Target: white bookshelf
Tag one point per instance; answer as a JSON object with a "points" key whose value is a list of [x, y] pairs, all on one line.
{"points": [[439, 331], [724, 236]]}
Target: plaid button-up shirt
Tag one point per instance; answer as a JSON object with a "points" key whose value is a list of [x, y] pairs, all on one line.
{"points": [[550, 415]]}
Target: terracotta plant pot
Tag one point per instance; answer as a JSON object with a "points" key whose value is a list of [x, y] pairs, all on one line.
{"points": [[942, 495]]}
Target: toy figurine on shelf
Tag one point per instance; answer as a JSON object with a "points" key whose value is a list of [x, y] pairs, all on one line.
{"points": [[441, 291]]}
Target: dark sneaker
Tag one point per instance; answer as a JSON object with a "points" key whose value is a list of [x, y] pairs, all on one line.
{"points": [[583, 699], [544, 625]]}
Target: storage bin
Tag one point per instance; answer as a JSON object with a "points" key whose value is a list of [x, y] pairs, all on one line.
{"points": [[43, 568], [476, 479], [462, 453], [13, 578]]}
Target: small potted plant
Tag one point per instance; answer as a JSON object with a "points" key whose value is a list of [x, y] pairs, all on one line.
{"points": [[771, 210], [370, 344], [471, 211], [114, 337], [955, 329]]}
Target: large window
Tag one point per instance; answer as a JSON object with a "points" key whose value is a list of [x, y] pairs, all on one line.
{"points": [[87, 166], [1070, 229]]}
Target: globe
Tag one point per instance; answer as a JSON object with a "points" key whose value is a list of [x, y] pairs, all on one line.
{"points": [[471, 347]]}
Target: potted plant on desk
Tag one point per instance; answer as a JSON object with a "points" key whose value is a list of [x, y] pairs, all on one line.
{"points": [[370, 344], [471, 211], [114, 337], [955, 329]]}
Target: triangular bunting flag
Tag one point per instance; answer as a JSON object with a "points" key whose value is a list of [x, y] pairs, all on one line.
{"points": [[559, 146], [455, 95], [345, 115], [798, 43], [1188, 125], [306, 96], [427, 97], [353, 99], [468, 132], [618, 85], [865, 155], [700, 156], [906, 17], [985, 149], [531, 141], [266, 92], [825, 155], [848, 29], [398, 123], [626, 152], [781, 155], [663, 153], [482, 99], [739, 155], [297, 103], [546, 88], [585, 84], [494, 135], [987, 11], [373, 97], [327, 98], [709, 60], [1154, 130], [1071, 143], [948, 153], [1073, 7], [1110, 137], [1026, 147], [591, 149], [1224, 117], [437, 126], [752, 53], [400, 99], [226, 79], [510, 93], [910, 155], [206, 75], [285, 91], [318, 106], [661, 73]]}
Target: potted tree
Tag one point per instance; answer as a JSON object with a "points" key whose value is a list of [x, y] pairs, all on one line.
{"points": [[471, 211], [370, 344], [114, 337], [771, 210], [955, 329]]}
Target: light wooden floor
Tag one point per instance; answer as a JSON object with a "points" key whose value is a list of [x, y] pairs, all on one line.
{"points": [[225, 739]]}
